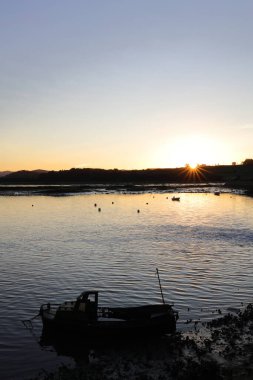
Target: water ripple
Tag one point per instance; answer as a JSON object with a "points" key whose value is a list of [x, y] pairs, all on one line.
{"points": [[203, 247]]}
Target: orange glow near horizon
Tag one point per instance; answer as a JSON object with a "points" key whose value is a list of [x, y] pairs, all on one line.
{"points": [[193, 151]]}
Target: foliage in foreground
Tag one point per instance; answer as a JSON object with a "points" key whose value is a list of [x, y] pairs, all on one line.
{"points": [[220, 350]]}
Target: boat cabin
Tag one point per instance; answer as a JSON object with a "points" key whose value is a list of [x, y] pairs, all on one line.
{"points": [[85, 307]]}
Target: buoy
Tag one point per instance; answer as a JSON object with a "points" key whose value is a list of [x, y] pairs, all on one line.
{"points": [[138, 211], [95, 205], [99, 209]]}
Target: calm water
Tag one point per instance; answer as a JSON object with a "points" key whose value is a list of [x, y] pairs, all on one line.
{"points": [[202, 245]]}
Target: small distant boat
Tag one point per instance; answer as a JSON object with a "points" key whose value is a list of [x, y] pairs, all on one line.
{"points": [[175, 198], [83, 316], [217, 193]]}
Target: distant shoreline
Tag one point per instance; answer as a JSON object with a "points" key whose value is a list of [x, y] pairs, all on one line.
{"points": [[124, 188], [236, 177]]}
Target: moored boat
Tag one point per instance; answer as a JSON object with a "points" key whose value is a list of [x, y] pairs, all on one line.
{"points": [[175, 198], [84, 316]]}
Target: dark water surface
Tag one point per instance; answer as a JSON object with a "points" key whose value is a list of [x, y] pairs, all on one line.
{"points": [[60, 246]]}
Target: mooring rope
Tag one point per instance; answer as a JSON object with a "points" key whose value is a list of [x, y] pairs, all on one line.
{"points": [[28, 322]]}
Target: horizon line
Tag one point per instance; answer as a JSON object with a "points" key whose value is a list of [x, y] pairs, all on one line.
{"points": [[119, 169]]}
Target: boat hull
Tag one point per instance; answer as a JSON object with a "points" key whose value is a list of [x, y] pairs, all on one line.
{"points": [[141, 321]]}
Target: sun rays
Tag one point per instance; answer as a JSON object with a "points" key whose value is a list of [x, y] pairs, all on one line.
{"points": [[194, 173]]}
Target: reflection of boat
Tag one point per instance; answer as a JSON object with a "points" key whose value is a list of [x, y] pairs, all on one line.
{"points": [[175, 198], [217, 193], [83, 316], [80, 350]]}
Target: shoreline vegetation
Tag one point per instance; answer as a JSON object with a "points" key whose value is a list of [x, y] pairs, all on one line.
{"points": [[239, 177], [221, 349]]}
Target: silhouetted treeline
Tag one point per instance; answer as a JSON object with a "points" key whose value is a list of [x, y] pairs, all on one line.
{"points": [[112, 176], [175, 175], [248, 161]]}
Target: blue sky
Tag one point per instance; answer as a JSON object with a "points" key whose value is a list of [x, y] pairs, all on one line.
{"points": [[126, 84]]}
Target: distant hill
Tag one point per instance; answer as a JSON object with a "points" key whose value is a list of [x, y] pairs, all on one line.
{"points": [[3, 174], [222, 173], [23, 175], [235, 175]]}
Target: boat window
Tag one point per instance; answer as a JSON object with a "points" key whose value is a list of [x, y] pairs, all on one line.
{"points": [[92, 298]]}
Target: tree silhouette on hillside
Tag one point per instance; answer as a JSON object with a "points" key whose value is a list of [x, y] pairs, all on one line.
{"points": [[248, 161]]}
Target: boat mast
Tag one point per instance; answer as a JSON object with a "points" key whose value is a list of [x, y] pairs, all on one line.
{"points": [[157, 272]]}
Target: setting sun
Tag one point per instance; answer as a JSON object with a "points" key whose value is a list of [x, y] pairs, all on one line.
{"points": [[193, 166], [191, 150]]}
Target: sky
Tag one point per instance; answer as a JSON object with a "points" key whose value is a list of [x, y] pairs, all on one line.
{"points": [[127, 84]]}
